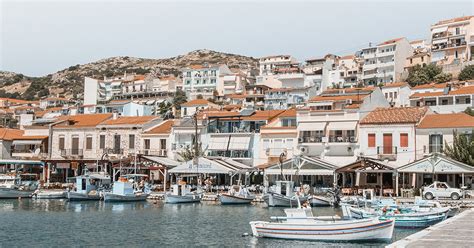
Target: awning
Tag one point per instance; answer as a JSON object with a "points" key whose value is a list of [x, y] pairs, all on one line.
{"points": [[20, 162], [439, 30], [218, 143], [342, 125], [437, 164], [209, 166], [311, 126], [439, 41], [26, 142], [150, 102], [239, 143], [163, 161], [306, 172], [63, 165]]}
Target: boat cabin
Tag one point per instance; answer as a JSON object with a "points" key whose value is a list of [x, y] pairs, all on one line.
{"points": [[87, 183], [284, 188], [122, 187], [182, 189]]}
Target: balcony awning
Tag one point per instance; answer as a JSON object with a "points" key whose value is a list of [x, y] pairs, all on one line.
{"points": [[26, 142], [210, 166], [342, 125], [239, 143], [163, 161], [218, 143], [311, 126], [28, 162], [439, 30], [439, 41]]}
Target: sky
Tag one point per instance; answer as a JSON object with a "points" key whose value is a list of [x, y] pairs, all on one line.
{"points": [[42, 37]]}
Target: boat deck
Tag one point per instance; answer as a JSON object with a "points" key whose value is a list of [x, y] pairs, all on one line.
{"points": [[453, 232]]}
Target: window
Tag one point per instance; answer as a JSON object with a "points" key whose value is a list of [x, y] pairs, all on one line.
{"points": [[188, 82], [394, 95], [102, 141], [204, 81], [372, 178], [371, 140], [468, 100], [89, 143], [386, 95], [213, 81], [444, 102], [117, 144], [162, 143], [403, 140], [147, 144], [436, 143], [61, 143], [188, 74], [391, 95], [131, 141], [289, 122]]}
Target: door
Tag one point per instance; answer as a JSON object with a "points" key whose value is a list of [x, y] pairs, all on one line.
{"points": [[387, 143], [75, 146], [116, 143]]}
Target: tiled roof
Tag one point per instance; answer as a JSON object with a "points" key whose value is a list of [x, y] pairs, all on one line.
{"points": [[466, 90], [352, 56], [263, 115], [429, 86], [403, 115], [55, 99], [10, 133], [457, 19], [16, 101], [457, 120], [390, 41], [396, 84], [129, 120], [163, 128], [195, 102], [89, 120], [291, 112], [359, 97]]}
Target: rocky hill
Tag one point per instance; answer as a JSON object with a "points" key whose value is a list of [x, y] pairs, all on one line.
{"points": [[69, 82]]}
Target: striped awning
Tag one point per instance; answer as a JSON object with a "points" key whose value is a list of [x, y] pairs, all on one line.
{"points": [[210, 166]]}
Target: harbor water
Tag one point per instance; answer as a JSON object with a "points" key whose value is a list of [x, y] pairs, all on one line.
{"points": [[58, 223]]}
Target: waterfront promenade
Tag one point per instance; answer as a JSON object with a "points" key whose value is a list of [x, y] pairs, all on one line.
{"points": [[454, 232]]}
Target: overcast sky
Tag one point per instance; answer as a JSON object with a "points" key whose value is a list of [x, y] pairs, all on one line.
{"points": [[40, 37]]}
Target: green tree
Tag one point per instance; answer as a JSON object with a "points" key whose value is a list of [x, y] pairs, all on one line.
{"points": [[443, 77], [462, 149], [165, 110], [189, 153], [179, 98], [467, 73], [422, 75], [469, 111], [199, 96]]}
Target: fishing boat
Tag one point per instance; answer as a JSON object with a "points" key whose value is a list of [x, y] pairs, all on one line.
{"points": [[282, 195], [319, 201], [89, 187], [182, 194], [300, 224], [18, 185], [123, 190], [50, 194], [236, 195]]}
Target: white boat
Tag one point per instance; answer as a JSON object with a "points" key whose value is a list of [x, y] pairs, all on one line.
{"points": [[18, 186], [123, 191], [236, 195], [50, 194], [89, 186], [319, 201], [300, 224], [182, 194], [282, 195]]}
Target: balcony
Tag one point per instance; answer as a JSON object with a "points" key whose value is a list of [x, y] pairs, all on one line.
{"points": [[342, 139], [72, 153], [275, 152], [235, 154], [113, 151], [311, 139], [29, 153], [159, 152], [387, 153]]}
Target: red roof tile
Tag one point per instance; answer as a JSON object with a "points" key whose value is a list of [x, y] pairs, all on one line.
{"points": [[457, 120], [403, 115]]}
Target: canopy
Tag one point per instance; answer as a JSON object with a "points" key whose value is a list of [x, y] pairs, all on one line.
{"points": [[302, 165], [364, 164], [440, 41], [342, 125], [26, 142], [28, 162], [218, 143], [163, 161], [209, 166], [306, 172], [239, 143], [311, 126], [439, 30], [438, 164]]}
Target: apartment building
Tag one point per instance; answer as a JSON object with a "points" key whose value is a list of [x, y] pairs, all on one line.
{"points": [[285, 98], [190, 107], [203, 79], [165, 84], [385, 62], [270, 64], [452, 43], [397, 94], [157, 140], [50, 102], [449, 100], [234, 83]]}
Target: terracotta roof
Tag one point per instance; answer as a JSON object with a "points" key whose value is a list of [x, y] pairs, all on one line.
{"points": [[447, 121], [463, 90], [429, 86], [10, 133], [359, 97], [17, 101], [263, 115], [26, 137], [457, 19], [89, 120], [238, 96], [416, 41], [291, 112], [196, 66], [139, 77], [348, 90], [129, 120], [396, 84], [390, 41], [195, 102], [351, 56], [402, 115], [55, 99], [163, 128], [467, 90], [168, 77]]}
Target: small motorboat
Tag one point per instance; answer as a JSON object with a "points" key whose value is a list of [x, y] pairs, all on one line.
{"points": [[236, 195], [182, 194], [50, 194], [319, 201], [123, 191], [18, 185], [89, 187], [282, 195], [300, 224]]}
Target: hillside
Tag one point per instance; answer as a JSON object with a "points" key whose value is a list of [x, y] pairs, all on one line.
{"points": [[69, 82]]}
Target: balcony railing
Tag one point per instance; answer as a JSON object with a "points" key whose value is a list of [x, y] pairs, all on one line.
{"points": [[231, 154], [310, 139], [275, 152], [387, 152], [71, 152], [114, 151], [342, 139], [160, 152]]}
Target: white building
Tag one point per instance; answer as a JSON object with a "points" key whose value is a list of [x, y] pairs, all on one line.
{"points": [[385, 62], [450, 100], [203, 79], [397, 94], [285, 98]]}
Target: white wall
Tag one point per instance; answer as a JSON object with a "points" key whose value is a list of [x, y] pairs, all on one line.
{"points": [[90, 91]]}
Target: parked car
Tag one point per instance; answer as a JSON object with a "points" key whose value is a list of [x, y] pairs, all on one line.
{"points": [[441, 190]]}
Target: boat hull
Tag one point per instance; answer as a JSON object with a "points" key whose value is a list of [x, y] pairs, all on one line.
{"points": [[227, 199], [8, 193], [174, 199], [110, 197], [418, 222], [51, 195], [317, 201], [278, 200], [345, 230], [74, 196]]}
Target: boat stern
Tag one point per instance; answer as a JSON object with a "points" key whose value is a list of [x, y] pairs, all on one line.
{"points": [[254, 225]]}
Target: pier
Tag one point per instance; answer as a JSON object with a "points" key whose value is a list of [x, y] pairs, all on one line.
{"points": [[454, 232]]}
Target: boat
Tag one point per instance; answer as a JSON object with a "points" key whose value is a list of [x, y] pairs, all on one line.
{"points": [[319, 201], [50, 194], [300, 224], [89, 187], [236, 195], [182, 194], [123, 190], [282, 195], [18, 185]]}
